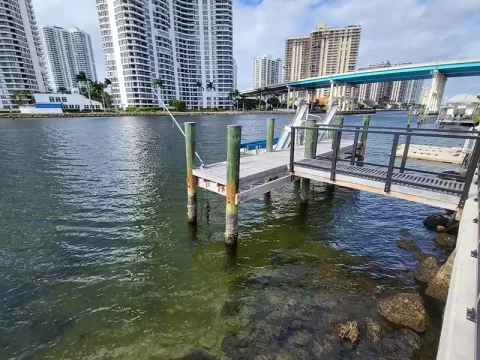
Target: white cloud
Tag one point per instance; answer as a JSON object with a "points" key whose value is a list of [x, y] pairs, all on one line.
{"points": [[399, 31]]}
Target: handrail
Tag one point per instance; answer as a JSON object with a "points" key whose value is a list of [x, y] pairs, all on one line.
{"points": [[473, 136], [408, 132], [403, 128]]}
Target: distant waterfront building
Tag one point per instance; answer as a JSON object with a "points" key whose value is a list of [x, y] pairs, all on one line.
{"points": [[326, 51], [67, 52], [413, 91], [180, 42], [266, 71], [235, 74], [406, 91], [21, 58]]}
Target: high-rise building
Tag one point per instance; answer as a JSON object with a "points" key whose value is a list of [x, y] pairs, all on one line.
{"points": [[67, 52], [406, 91], [326, 51], [377, 92], [182, 43], [413, 91], [21, 59], [235, 74], [266, 71]]}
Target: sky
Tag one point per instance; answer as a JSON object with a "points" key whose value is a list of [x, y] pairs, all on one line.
{"points": [[399, 31]]}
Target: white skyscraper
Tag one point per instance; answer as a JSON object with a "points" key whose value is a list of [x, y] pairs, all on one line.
{"points": [[183, 43], [67, 52], [21, 62], [266, 71]]}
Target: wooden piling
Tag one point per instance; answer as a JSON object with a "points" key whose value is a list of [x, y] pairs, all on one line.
{"points": [[310, 152], [234, 134], [191, 180], [270, 134], [364, 137]]}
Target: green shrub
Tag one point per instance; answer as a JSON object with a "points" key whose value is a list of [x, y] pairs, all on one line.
{"points": [[179, 105], [142, 108]]}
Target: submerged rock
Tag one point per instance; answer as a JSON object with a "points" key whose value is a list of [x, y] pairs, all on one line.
{"points": [[349, 331], [409, 337], [438, 286], [198, 354], [408, 245], [405, 309], [446, 241], [427, 269], [375, 331], [431, 222]]}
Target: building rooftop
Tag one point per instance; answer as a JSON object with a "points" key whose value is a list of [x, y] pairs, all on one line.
{"points": [[463, 99]]}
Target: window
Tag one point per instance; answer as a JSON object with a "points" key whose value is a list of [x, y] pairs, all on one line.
{"points": [[57, 99], [64, 99], [71, 106], [52, 99], [77, 106], [97, 106]]}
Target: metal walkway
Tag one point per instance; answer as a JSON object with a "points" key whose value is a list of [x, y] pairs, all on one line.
{"points": [[408, 186], [413, 184]]}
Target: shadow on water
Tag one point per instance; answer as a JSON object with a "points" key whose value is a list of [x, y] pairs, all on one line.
{"points": [[98, 262]]}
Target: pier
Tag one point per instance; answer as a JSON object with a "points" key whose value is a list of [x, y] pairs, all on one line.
{"points": [[247, 176]]}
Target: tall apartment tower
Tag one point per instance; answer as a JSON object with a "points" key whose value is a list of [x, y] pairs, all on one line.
{"points": [[413, 92], [377, 92], [266, 71], [402, 91], [21, 59], [326, 51], [183, 43], [67, 52]]}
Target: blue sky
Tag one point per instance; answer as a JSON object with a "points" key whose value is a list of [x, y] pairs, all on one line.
{"points": [[399, 31]]}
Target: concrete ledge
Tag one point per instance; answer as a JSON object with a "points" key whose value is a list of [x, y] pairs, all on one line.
{"points": [[459, 334]]}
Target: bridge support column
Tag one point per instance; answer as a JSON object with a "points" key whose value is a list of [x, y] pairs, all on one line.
{"points": [[436, 93]]}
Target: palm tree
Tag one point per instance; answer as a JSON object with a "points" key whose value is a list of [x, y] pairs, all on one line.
{"points": [[232, 96], [159, 83], [107, 84], [243, 98], [82, 79], [22, 97], [200, 88], [211, 87], [237, 96]]}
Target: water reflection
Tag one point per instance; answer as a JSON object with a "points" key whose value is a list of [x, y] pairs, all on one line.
{"points": [[98, 260]]}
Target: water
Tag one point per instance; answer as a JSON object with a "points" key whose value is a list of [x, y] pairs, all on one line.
{"points": [[97, 260]]}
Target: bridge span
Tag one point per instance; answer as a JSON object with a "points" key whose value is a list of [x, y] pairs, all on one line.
{"points": [[438, 71]]}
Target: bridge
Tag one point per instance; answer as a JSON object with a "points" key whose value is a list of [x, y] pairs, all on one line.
{"points": [[439, 72]]}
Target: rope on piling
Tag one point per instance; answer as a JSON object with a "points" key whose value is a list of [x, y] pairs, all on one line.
{"points": [[202, 164]]}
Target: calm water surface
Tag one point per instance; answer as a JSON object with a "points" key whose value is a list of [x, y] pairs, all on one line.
{"points": [[97, 260]]}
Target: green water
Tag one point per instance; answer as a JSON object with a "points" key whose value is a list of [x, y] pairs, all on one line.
{"points": [[98, 262]]}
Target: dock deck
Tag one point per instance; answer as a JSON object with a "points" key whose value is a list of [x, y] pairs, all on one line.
{"points": [[272, 167]]}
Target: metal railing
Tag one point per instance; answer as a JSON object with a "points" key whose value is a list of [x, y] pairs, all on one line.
{"points": [[397, 133]]}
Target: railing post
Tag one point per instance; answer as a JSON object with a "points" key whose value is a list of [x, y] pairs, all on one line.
{"points": [[191, 180], [270, 131], [470, 173], [355, 145], [391, 165], [405, 151], [234, 134], [336, 150], [366, 124], [292, 148], [310, 153]]}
